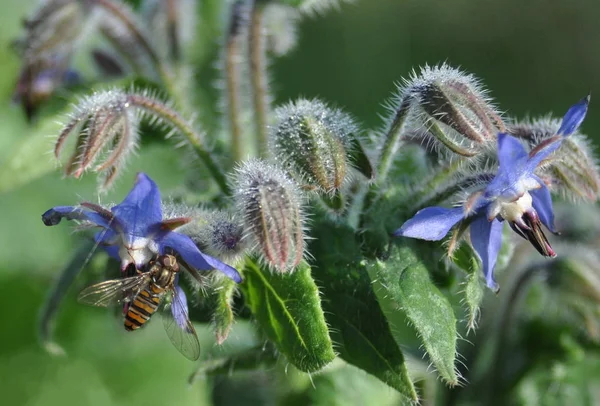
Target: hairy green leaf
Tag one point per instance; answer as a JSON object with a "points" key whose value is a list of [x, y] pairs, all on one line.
{"points": [[288, 308], [358, 326], [409, 285], [29, 158]]}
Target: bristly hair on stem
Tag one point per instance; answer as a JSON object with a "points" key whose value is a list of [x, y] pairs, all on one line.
{"points": [[235, 88], [258, 76], [444, 109]]}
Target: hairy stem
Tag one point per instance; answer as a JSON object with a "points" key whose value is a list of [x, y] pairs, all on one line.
{"points": [[392, 138], [175, 93], [232, 86], [193, 138], [258, 78]]}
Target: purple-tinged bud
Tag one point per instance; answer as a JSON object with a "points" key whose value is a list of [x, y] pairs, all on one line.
{"points": [[39, 79], [107, 128], [273, 217], [218, 233], [313, 141], [572, 169], [54, 28], [448, 109], [106, 124]]}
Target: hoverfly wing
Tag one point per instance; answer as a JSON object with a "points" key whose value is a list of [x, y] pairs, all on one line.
{"points": [[178, 326], [114, 291]]}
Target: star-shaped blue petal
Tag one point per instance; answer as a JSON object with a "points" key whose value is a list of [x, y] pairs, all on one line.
{"points": [[515, 194], [134, 231]]}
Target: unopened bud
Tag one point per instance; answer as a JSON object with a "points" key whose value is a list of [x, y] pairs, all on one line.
{"points": [[39, 79], [450, 109], [54, 28], [572, 169], [312, 141], [107, 128], [218, 233], [273, 216], [106, 124]]}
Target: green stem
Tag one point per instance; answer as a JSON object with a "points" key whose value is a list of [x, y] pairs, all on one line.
{"points": [[194, 138], [520, 287], [392, 139], [258, 79], [168, 80], [232, 79]]}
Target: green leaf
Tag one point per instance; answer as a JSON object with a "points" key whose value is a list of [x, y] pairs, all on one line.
{"points": [[29, 158], [358, 326], [409, 285], [288, 308], [223, 314]]}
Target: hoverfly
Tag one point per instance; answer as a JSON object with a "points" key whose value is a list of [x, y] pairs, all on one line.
{"points": [[142, 294]]}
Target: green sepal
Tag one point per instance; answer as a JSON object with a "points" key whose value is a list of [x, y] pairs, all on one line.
{"points": [[465, 258], [360, 159], [288, 308], [222, 299], [474, 289], [429, 311], [358, 325]]}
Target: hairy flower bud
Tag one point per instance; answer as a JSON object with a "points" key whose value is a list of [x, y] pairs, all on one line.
{"points": [[445, 108], [39, 79], [273, 216], [54, 28], [46, 49], [218, 233], [312, 141], [573, 169], [107, 125]]}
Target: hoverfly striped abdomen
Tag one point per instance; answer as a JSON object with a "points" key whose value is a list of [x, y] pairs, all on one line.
{"points": [[162, 272], [151, 290]]}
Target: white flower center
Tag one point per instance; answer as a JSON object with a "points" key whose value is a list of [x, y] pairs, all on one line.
{"points": [[138, 251], [512, 211]]}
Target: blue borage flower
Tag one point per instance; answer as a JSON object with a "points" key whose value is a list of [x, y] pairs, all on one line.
{"points": [[515, 194], [134, 231]]}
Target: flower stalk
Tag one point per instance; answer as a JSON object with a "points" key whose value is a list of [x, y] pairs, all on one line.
{"points": [[258, 78]]}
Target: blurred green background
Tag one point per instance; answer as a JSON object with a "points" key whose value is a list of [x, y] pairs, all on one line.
{"points": [[535, 56]]}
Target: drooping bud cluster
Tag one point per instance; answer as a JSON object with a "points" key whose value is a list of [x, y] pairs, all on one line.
{"points": [[312, 141], [274, 221], [444, 108], [107, 126], [46, 49], [572, 169]]}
